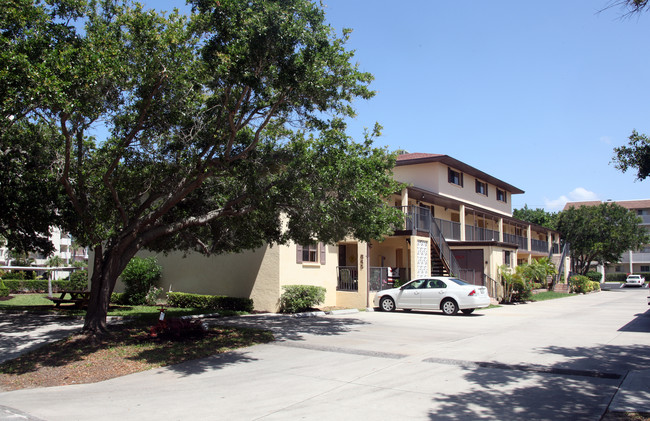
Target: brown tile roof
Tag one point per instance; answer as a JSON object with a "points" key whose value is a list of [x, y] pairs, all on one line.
{"points": [[628, 204]]}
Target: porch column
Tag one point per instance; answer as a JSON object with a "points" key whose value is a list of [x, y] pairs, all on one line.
{"points": [[631, 262], [405, 204], [405, 197], [529, 233], [549, 240], [461, 210], [501, 230]]}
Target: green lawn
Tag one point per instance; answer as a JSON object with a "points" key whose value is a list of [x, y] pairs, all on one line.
{"points": [[549, 295], [40, 303]]}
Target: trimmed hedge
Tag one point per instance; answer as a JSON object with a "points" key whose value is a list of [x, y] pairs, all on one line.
{"points": [[620, 277], [209, 302], [4, 291], [34, 285]]}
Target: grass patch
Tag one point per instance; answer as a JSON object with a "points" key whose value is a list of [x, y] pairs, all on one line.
{"points": [[549, 295], [40, 303], [127, 349]]}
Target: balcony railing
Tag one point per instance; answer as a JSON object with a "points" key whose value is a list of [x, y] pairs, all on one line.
{"points": [[348, 278], [637, 257], [539, 245]]}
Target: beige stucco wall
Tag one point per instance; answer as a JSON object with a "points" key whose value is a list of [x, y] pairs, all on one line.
{"points": [[309, 273], [253, 274], [434, 177]]}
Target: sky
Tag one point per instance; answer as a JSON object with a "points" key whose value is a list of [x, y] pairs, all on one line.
{"points": [[535, 93]]}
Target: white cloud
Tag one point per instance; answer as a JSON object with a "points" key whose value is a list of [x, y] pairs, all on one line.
{"points": [[579, 194], [606, 140]]}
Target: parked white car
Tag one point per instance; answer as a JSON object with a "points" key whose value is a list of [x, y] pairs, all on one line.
{"points": [[635, 280], [439, 293]]}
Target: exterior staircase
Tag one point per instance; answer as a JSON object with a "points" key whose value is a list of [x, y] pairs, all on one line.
{"points": [[438, 266]]}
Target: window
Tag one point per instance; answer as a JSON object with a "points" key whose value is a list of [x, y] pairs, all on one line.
{"points": [[501, 196], [481, 188], [506, 258], [311, 253], [645, 268], [455, 177]]}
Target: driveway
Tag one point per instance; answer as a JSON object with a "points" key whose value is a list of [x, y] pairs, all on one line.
{"points": [[554, 360]]}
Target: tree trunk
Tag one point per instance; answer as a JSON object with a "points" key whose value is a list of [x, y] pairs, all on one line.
{"points": [[108, 266]]}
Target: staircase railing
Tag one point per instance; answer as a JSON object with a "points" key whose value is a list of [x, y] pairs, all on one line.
{"points": [[445, 251], [493, 287]]}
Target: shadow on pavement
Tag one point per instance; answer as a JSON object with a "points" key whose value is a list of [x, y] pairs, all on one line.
{"points": [[287, 328], [589, 379], [641, 323], [20, 333]]}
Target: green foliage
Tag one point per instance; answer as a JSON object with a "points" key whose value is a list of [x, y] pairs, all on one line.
{"points": [[600, 234], [516, 286], [220, 125], [297, 298], [138, 277], [79, 280], [118, 298], [4, 291], [635, 156], [582, 284], [34, 285], [537, 216], [594, 276], [209, 302]]}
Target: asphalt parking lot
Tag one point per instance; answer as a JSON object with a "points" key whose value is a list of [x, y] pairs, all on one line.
{"points": [[570, 358]]}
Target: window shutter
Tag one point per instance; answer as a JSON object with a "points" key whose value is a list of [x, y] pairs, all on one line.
{"points": [[323, 252], [298, 253]]}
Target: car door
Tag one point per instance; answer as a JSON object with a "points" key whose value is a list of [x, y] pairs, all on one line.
{"points": [[432, 294], [409, 295]]}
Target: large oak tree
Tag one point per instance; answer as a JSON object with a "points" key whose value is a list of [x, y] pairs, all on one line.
{"points": [[600, 234], [216, 132]]}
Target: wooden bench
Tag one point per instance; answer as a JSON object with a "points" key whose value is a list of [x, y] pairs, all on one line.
{"points": [[79, 298]]}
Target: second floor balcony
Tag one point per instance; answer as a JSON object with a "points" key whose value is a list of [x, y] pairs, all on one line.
{"points": [[418, 218]]}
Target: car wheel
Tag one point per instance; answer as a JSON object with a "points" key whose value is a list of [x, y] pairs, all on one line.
{"points": [[468, 311], [387, 304], [449, 307]]}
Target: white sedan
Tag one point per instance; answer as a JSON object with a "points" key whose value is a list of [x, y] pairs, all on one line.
{"points": [[440, 293], [635, 280]]}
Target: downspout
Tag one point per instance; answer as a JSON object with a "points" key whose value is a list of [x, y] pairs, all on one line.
{"points": [[367, 275]]}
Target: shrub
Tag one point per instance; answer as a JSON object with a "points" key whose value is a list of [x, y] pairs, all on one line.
{"points": [[297, 298], [4, 291], [118, 298], [138, 277], [209, 302], [79, 280], [582, 284], [153, 295], [35, 285], [522, 290], [594, 276]]}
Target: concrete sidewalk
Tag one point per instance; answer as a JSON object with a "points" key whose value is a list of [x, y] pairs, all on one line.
{"points": [[558, 360]]}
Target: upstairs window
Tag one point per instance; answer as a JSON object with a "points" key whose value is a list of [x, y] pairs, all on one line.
{"points": [[455, 177], [501, 196], [481, 188]]}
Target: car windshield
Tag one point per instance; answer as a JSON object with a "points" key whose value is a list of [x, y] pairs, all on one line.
{"points": [[458, 281]]}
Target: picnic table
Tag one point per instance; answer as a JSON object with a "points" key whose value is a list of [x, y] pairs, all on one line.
{"points": [[78, 297]]}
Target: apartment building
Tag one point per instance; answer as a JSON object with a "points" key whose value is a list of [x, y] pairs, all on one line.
{"points": [[457, 221]]}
